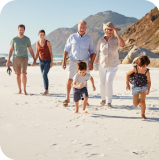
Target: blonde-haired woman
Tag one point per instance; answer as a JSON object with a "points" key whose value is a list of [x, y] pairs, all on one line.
{"points": [[108, 58]]}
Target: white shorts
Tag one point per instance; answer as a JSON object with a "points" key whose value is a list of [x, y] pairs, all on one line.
{"points": [[72, 70]]}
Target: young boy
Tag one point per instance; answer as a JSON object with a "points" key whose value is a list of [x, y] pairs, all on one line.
{"points": [[80, 85]]}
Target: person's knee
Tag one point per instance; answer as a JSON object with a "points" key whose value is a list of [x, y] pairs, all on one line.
{"points": [[24, 74], [69, 81], [18, 75], [44, 75], [135, 104]]}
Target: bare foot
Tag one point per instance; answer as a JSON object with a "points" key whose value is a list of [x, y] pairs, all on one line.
{"points": [[83, 111], [25, 93], [76, 111], [139, 105], [46, 92], [143, 116], [20, 92]]}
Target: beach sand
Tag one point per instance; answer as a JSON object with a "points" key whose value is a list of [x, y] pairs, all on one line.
{"points": [[38, 127]]}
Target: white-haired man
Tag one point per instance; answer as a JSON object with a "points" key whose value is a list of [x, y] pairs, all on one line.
{"points": [[81, 48]]}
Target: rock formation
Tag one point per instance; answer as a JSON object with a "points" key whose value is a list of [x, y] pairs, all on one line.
{"points": [[144, 33], [136, 52]]}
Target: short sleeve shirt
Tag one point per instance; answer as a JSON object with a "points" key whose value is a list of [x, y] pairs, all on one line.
{"points": [[82, 79], [20, 46]]}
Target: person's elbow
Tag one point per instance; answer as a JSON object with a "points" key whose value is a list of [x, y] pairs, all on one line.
{"points": [[74, 84], [122, 45]]}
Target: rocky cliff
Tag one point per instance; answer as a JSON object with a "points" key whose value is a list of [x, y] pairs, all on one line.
{"points": [[94, 28], [144, 33]]}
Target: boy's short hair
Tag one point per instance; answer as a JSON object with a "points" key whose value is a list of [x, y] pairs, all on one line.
{"points": [[82, 66], [142, 60], [22, 26]]}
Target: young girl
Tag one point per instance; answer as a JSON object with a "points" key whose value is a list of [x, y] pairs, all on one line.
{"points": [[80, 85], [139, 77]]}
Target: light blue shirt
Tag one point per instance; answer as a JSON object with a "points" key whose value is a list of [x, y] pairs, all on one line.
{"points": [[80, 47]]}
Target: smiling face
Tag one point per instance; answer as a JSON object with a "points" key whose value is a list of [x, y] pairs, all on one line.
{"points": [[82, 28], [21, 31], [42, 35], [82, 72], [109, 32]]}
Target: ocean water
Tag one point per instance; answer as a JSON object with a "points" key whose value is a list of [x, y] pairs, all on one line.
{"points": [[56, 58]]}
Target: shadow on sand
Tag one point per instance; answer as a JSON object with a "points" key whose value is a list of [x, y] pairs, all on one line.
{"points": [[123, 117], [92, 96]]}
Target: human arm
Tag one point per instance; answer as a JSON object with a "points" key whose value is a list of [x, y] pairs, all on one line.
{"points": [[92, 60], [92, 54], [77, 86], [121, 41], [32, 54], [127, 78], [9, 56], [37, 52], [51, 54], [97, 52], [92, 81], [148, 83], [64, 60], [66, 51]]}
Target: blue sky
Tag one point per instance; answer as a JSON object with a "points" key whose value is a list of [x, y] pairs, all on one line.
{"points": [[52, 14]]}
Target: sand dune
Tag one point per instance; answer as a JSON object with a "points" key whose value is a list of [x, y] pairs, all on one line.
{"points": [[38, 127]]}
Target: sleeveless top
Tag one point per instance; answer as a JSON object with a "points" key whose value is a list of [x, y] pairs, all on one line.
{"points": [[44, 52], [138, 79]]}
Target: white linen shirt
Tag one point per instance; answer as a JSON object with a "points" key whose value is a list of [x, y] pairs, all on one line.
{"points": [[80, 47], [107, 52]]}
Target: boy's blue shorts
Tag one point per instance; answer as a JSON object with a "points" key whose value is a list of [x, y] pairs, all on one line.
{"points": [[79, 93]]}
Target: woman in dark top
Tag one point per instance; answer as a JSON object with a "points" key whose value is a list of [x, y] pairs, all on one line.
{"points": [[44, 52]]}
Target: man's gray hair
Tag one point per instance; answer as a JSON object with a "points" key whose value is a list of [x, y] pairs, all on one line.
{"points": [[82, 21]]}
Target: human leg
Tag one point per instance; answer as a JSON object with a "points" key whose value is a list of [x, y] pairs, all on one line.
{"points": [[84, 105], [45, 75], [42, 64], [24, 80], [68, 88], [71, 73], [76, 97], [84, 94], [110, 74], [136, 100], [17, 70], [143, 104], [102, 75], [24, 64], [76, 104], [19, 83]]}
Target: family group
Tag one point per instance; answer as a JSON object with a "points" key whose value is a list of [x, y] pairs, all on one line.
{"points": [[82, 58]]}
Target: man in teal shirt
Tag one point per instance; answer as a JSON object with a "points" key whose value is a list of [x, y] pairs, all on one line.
{"points": [[19, 45]]}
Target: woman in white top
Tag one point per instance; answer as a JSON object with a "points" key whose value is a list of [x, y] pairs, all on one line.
{"points": [[108, 58]]}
